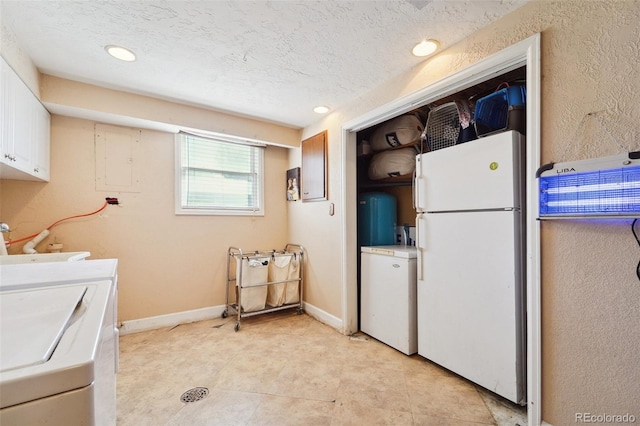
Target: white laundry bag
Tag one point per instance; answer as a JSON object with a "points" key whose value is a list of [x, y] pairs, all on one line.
{"points": [[398, 131], [255, 271], [292, 293], [278, 271], [394, 163]]}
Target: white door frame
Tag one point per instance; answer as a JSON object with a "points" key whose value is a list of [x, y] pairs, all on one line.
{"points": [[524, 53]]}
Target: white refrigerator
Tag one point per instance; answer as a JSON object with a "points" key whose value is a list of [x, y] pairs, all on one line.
{"points": [[470, 249]]}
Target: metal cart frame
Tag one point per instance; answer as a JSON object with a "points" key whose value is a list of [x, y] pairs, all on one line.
{"points": [[237, 255]]}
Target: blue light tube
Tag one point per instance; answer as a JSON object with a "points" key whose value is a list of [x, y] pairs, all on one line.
{"points": [[611, 192]]}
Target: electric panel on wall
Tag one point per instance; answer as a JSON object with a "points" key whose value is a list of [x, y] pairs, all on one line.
{"points": [[117, 151]]}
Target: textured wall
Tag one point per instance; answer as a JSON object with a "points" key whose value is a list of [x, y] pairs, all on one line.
{"points": [[590, 294], [591, 309]]}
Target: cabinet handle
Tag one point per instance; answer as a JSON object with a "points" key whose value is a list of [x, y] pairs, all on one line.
{"points": [[36, 170]]}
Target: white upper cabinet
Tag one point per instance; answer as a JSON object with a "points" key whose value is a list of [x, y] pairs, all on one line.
{"points": [[24, 130], [20, 146], [42, 141]]}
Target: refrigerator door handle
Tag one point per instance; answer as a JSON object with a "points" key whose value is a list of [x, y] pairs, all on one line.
{"points": [[418, 185], [414, 188], [420, 239]]}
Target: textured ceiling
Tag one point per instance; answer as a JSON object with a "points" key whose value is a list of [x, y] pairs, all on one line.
{"points": [[273, 60]]}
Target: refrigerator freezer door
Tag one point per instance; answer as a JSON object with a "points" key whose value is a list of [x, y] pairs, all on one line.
{"points": [[477, 175], [470, 300]]}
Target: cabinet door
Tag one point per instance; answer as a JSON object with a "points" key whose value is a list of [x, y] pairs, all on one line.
{"points": [[41, 142], [24, 130], [7, 114], [22, 146], [314, 168]]}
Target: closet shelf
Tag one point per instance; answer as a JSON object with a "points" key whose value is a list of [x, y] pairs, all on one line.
{"points": [[404, 180]]}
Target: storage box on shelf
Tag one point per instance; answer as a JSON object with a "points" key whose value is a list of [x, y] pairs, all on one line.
{"points": [[502, 110]]}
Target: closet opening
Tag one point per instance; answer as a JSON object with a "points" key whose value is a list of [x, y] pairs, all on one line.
{"points": [[515, 65], [386, 151]]}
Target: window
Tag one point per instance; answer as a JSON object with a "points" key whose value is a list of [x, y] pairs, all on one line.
{"points": [[218, 176]]}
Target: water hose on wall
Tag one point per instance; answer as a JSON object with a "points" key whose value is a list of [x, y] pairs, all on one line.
{"points": [[29, 248]]}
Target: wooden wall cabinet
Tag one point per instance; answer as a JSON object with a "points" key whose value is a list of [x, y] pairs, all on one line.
{"points": [[313, 179]]}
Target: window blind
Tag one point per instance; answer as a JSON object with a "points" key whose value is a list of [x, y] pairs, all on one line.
{"points": [[220, 175]]}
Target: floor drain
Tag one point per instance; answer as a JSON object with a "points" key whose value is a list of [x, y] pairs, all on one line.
{"points": [[195, 394]]}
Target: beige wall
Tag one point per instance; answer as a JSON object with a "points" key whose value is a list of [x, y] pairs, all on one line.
{"points": [[167, 263], [118, 106], [311, 225], [591, 309]]}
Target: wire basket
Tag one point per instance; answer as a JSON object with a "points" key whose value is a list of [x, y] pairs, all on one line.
{"points": [[443, 127]]}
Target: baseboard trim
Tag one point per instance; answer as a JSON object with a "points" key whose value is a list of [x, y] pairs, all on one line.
{"points": [[185, 317], [324, 317], [170, 320]]}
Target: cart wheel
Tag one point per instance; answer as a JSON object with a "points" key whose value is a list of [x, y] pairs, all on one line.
{"points": [[225, 314], [236, 327], [299, 311]]}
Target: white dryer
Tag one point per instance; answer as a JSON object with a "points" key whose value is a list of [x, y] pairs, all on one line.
{"points": [[58, 349]]}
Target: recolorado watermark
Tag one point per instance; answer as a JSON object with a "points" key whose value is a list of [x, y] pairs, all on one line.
{"points": [[605, 418]]}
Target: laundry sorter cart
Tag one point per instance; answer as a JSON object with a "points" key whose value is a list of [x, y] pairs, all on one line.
{"points": [[259, 282]]}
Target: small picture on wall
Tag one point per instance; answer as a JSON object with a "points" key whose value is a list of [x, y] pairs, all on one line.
{"points": [[293, 184]]}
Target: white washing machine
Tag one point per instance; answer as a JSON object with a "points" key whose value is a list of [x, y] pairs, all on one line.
{"points": [[58, 349], [388, 303]]}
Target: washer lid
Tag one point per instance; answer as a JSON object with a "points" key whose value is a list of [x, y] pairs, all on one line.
{"points": [[89, 336], [33, 323], [17, 277]]}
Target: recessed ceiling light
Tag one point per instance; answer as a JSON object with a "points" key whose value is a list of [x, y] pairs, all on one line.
{"points": [[121, 53], [425, 47], [321, 109]]}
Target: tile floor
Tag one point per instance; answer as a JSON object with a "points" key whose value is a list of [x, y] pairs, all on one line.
{"points": [[288, 369]]}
